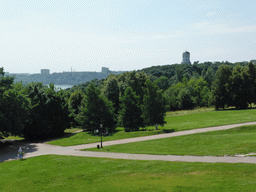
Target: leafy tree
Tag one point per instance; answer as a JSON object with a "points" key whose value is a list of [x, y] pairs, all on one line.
{"points": [[96, 110], [195, 87], [49, 114], [162, 83], [205, 94], [13, 107], [221, 87], [14, 112], [137, 82], [179, 74], [171, 95], [5, 82], [252, 83], [209, 76], [185, 99], [131, 111], [75, 102], [240, 87], [153, 110], [111, 91]]}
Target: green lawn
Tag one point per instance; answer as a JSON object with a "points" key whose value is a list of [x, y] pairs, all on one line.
{"points": [[207, 118], [65, 173], [85, 137], [240, 140], [178, 121]]}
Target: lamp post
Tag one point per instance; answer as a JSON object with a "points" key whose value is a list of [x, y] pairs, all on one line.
{"points": [[101, 126]]}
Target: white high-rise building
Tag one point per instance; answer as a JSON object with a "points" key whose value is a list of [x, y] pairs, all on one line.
{"points": [[185, 58], [45, 71]]}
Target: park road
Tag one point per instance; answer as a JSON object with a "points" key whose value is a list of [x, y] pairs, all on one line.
{"points": [[37, 149]]}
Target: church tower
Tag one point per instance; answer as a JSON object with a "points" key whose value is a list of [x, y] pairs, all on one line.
{"points": [[185, 58]]}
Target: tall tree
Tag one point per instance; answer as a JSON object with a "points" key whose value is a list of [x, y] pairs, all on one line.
{"points": [[49, 114], [131, 113], [185, 99], [252, 82], [96, 110], [195, 87], [221, 87], [137, 82], [5, 82], [153, 110], [240, 87], [209, 76], [171, 95], [111, 91], [162, 83], [14, 112], [74, 103]]}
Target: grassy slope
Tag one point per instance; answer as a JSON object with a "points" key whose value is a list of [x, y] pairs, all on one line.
{"points": [[84, 137], [59, 173], [179, 121], [203, 119], [240, 140]]}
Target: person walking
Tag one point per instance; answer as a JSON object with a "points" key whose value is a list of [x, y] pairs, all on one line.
{"points": [[20, 153]]}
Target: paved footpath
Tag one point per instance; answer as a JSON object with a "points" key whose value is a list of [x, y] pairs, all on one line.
{"points": [[37, 149]]}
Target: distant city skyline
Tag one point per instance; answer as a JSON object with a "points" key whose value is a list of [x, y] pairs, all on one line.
{"points": [[123, 35]]}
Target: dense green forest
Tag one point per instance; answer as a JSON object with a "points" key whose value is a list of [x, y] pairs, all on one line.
{"points": [[132, 99]]}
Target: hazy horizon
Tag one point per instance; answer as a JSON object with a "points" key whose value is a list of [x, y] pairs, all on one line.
{"points": [[123, 35]]}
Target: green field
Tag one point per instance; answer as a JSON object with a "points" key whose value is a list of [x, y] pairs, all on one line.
{"points": [[241, 140], [65, 173], [85, 137], [178, 121], [207, 118]]}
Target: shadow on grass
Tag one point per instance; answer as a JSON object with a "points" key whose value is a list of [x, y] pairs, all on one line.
{"points": [[9, 149], [168, 130], [104, 134], [234, 109]]}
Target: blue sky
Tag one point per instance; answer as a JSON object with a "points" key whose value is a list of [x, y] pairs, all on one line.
{"points": [[123, 35]]}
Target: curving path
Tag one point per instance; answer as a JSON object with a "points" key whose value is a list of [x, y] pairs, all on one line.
{"points": [[37, 149]]}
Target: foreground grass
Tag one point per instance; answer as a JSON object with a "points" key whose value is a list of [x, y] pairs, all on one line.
{"points": [[241, 140], [178, 121], [65, 173]]}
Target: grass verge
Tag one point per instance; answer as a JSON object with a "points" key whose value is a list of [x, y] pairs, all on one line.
{"points": [[241, 140], [85, 137], [185, 120], [177, 121], [65, 173]]}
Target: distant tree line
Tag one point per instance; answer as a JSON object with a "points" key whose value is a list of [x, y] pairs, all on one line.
{"points": [[205, 84]]}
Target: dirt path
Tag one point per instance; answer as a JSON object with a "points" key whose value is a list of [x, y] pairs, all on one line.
{"points": [[37, 149]]}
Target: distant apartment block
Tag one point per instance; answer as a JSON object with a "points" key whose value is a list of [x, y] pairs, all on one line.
{"points": [[45, 71]]}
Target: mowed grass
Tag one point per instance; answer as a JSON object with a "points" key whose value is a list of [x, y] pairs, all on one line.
{"points": [[241, 140], [177, 121], [185, 120], [65, 173], [85, 137]]}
